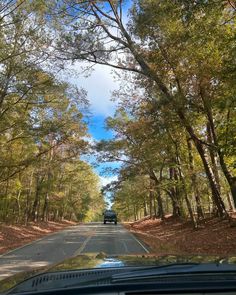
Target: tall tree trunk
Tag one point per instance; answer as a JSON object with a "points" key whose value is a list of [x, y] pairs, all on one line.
{"points": [[151, 198], [218, 202], [174, 202], [173, 195], [213, 156], [166, 205], [175, 205], [18, 206], [188, 203], [6, 203], [160, 213], [27, 209], [183, 184], [154, 207], [28, 197], [210, 176], [38, 209], [178, 192], [35, 207], [145, 208], [194, 181], [231, 207], [46, 197], [159, 197], [229, 177], [55, 212], [45, 208], [135, 212], [150, 73]]}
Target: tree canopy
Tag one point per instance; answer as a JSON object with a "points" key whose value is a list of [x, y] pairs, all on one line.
{"points": [[42, 130], [175, 120]]}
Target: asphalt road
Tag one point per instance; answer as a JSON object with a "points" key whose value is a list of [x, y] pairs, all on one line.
{"points": [[87, 238]]}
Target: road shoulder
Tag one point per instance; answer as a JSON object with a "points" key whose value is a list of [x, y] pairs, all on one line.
{"points": [[17, 236]]}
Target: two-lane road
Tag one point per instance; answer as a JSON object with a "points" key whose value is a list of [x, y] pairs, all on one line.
{"points": [[87, 238]]}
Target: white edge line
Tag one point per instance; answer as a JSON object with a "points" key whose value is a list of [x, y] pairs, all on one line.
{"points": [[82, 247], [140, 243], [136, 239]]}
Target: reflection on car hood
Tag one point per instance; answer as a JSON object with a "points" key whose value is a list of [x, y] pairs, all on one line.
{"points": [[90, 261]]}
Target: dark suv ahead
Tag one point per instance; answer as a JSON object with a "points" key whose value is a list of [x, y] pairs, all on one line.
{"points": [[110, 216]]}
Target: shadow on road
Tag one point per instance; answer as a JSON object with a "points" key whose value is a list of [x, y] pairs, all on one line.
{"points": [[85, 238]]}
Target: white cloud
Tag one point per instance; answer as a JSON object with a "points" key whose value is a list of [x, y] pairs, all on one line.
{"points": [[99, 86], [106, 180], [91, 140]]}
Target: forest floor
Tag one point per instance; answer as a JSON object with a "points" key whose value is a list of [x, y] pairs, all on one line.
{"points": [[175, 237], [14, 236]]}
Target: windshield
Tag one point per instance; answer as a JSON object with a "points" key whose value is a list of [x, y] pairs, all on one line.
{"points": [[117, 133]]}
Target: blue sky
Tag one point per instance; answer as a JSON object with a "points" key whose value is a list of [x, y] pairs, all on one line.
{"points": [[99, 86], [98, 132], [97, 127]]}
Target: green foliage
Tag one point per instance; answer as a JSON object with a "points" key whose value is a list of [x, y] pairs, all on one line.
{"points": [[41, 128], [189, 48], [175, 125]]}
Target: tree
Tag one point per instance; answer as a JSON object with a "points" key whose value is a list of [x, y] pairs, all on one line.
{"points": [[167, 44], [42, 129]]}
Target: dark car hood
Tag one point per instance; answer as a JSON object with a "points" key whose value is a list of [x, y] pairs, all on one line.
{"points": [[92, 261]]}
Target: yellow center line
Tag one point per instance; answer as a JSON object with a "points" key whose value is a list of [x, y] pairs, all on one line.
{"points": [[81, 248]]}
